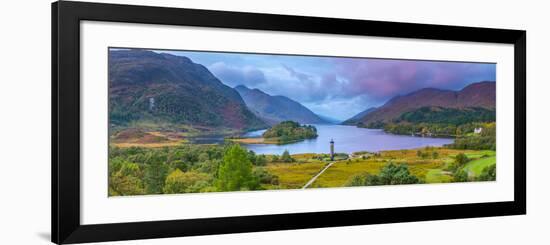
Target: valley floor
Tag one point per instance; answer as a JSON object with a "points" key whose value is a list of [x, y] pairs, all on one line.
{"points": [[427, 169], [133, 152]]}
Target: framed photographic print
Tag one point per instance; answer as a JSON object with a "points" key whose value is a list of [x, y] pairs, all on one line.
{"points": [[176, 122]]}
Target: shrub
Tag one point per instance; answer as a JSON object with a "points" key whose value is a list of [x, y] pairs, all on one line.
{"points": [[286, 157], [391, 174], [397, 174], [261, 160], [184, 182], [460, 176], [488, 173], [265, 177], [461, 159], [356, 180]]}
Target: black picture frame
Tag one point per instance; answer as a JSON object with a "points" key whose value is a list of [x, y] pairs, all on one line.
{"points": [[66, 18]]}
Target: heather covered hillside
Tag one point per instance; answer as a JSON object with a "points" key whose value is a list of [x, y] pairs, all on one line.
{"points": [[163, 88], [475, 95]]}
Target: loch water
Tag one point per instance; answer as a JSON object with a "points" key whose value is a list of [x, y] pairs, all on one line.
{"points": [[347, 139]]}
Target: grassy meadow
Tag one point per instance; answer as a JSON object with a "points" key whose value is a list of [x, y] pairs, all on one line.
{"points": [[153, 162], [427, 169]]}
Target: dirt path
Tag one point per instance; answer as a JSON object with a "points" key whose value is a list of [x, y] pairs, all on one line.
{"points": [[316, 176]]}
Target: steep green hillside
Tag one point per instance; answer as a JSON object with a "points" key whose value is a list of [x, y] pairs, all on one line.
{"points": [[479, 95], [163, 88]]}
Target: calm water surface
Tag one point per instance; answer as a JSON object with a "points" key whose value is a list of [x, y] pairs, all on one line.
{"points": [[347, 139]]}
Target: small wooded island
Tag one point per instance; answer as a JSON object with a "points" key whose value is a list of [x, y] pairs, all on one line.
{"points": [[290, 131], [283, 133]]}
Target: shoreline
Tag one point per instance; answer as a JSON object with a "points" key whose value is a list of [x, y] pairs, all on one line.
{"points": [[440, 136], [262, 141]]}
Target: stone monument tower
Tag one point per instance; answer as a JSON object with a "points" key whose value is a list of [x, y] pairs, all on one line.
{"points": [[331, 149]]}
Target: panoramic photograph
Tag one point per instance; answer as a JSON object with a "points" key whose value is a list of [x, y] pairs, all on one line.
{"points": [[203, 121]]}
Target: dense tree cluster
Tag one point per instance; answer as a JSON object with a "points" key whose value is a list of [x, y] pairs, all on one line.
{"points": [[446, 122], [377, 124], [186, 168], [437, 127], [433, 129], [391, 174], [486, 140], [424, 129], [488, 173], [448, 116], [461, 175], [289, 131]]}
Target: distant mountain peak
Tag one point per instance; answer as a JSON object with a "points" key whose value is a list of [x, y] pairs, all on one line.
{"points": [[480, 94], [482, 83], [278, 108], [240, 86], [355, 119]]}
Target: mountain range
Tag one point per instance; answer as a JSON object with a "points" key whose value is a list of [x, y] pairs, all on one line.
{"points": [[480, 95], [275, 109], [355, 119], [160, 87]]}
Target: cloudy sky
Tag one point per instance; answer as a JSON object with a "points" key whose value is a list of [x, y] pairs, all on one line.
{"points": [[338, 87]]}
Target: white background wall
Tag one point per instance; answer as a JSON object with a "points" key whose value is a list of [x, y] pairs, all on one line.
{"points": [[25, 121]]}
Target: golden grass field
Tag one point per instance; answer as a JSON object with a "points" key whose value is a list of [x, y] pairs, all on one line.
{"points": [[293, 175], [257, 140], [430, 169], [149, 145], [152, 139]]}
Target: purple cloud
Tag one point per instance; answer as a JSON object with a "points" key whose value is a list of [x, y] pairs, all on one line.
{"points": [[383, 79], [340, 87]]}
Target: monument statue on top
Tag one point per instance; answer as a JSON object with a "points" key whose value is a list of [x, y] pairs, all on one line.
{"points": [[332, 149]]}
